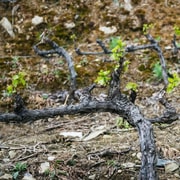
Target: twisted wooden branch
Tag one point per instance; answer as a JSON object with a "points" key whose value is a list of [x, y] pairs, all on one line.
{"points": [[116, 102]]}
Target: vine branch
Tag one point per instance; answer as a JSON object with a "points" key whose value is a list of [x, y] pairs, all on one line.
{"points": [[115, 103], [61, 52]]}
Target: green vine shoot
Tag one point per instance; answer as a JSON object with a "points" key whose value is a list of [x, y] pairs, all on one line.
{"points": [[117, 47], [18, 82]]}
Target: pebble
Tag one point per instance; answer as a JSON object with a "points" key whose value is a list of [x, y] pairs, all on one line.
{"points": [[6, 177], [44, 167], [108, 30], [12, 154], [37, 20], [69, 25]]}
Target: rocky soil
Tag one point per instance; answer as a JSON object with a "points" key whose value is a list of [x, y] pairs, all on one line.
{"points": [[92, 146]]}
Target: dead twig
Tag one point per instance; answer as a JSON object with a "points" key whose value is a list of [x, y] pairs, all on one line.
{"points": [[107, 152]]}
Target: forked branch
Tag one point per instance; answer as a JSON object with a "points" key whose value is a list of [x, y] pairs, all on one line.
{"points": [[116, 102]]}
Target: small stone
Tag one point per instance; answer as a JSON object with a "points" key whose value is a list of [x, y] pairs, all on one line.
{"points": [[44, 167], [108, 30], [92, 177], [167, 47], [120, 171], [128, 165], [177, 175], [28, 176], [6, 24], [6, 177], [106, 136], [71, 134], [69, 25], [51, 158], [6, 160], [133, 154], [139, 155], [127, 5], [37, 20], [12, 154], [170, 167]]}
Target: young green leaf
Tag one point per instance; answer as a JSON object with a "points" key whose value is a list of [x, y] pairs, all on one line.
{"points": [[147, 28], [103, 78], [10, 89], [126, 65], [177, 30], [157, 71], [131, 86], [174, 81], [117, 47]]}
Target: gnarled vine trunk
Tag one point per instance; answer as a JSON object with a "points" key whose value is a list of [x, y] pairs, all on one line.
{"points": [[115, 102]]}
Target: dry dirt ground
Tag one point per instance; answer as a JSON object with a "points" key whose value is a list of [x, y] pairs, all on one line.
{"points": [[112, 151]]}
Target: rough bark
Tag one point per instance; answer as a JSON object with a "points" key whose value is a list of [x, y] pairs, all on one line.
{"points": [[120, 105], [56, 49], [115, 102]]}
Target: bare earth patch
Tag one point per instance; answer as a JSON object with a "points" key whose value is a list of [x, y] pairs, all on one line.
{"points": [[111, 154], [101, 149]]}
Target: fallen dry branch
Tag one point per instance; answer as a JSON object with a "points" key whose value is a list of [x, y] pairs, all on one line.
{"points": [[107, 152], [115, 102]]}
